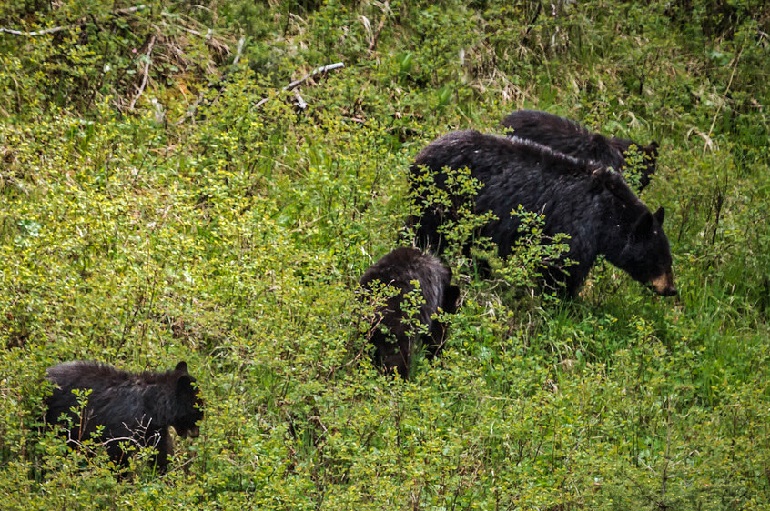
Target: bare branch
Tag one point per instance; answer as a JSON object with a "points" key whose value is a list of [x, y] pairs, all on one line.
{"points": [[293, 85], [262, 102], [727, 89], [300, 102], [191, 109], [80, 22], [374, 36], [296, 83], [52, 30], [314, 72], [130, 10], [145, 73], [239, 50]]}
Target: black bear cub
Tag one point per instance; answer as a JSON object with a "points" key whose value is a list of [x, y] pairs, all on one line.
{"points": [[584, 199], [570, 138], [133, 408], [393, 333]]}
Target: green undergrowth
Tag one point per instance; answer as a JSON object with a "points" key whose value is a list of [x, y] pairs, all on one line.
{"points": [[163, 199]]}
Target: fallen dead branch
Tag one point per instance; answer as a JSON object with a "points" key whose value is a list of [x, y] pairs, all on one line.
{"points": [[79, 23], [301, 103], [296, 83]]}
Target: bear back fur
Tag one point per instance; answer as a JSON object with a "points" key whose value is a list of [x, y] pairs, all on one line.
{"points": [[391, 334], [582, 198], [134, 407], [573, 139]]}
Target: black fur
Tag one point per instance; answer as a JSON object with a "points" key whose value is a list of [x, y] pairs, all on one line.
{"points": [[394, 348], [568, 137], [134, 408], [591, 203]]}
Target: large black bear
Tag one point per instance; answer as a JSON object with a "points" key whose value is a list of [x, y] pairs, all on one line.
{"points": [[393, 335], [587, 201], [568, 137], [132, 408]]}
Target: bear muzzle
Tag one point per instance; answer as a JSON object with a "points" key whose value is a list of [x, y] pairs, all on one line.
{"points": [[664, 284]]}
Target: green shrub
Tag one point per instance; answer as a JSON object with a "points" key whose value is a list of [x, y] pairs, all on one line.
{"points": [[218, 221]]}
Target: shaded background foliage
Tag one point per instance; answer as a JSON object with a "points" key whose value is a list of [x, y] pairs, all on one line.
{"points": [[156, 208]]}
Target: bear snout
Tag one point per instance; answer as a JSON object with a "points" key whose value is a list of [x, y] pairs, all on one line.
{"points": [[664, 284]]}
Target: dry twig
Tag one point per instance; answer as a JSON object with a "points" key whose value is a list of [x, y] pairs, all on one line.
{"points": [[374, 36], [239, 50], [296, 83], [78, 23], [145, 73], [727, 90]]}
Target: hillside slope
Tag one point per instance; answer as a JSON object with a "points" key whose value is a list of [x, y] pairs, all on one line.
{"points": [[168, 193]]}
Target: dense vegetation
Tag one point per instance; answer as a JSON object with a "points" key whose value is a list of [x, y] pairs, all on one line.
{"points": [[165, 196]]}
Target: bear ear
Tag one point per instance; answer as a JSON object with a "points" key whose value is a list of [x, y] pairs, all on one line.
{"points": [[181, 367], [643, 225], [659, 215], [598, 178], [619, 144], [651, 150], [606, 177]]}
